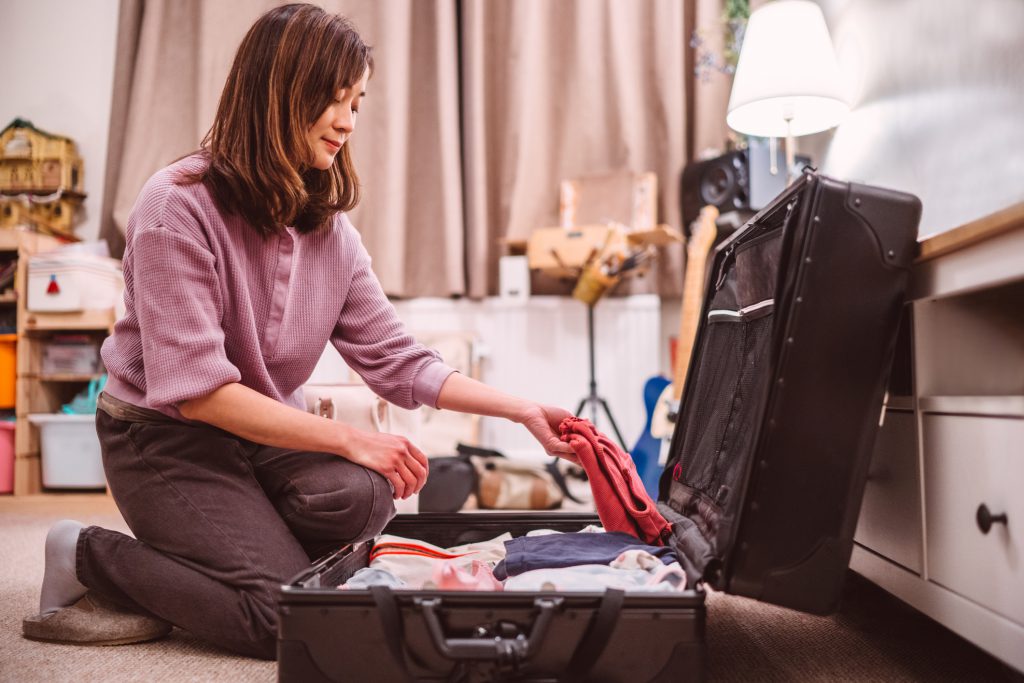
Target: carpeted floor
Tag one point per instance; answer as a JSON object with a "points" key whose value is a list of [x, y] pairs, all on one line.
{"points": [[179, 657], [873, 638]]}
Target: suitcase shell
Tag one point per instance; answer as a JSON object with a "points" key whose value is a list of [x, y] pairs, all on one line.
{"points": [[763, 483], [769, 458], [325, 634]]}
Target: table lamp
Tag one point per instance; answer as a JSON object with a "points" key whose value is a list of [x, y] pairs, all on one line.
{"points": [[787, 80]]}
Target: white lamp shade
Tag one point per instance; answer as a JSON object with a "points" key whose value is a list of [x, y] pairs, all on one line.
{"points": [[787, 70]]}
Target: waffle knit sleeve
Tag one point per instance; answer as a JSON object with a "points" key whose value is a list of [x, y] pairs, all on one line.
{"points": [[375, 343], [179, 306]]}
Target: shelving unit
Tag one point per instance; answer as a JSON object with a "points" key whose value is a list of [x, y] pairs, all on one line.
{"points": [[37, 392], [942, 522]]}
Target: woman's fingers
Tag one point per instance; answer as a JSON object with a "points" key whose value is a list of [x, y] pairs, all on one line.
{"points": [[408, 480], [398, 461], [419, 457], [413, 468], [571, 457], [397, 483], [558, 447], [418, 471]]}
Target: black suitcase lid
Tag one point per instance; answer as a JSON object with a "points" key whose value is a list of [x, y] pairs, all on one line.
{"points": [[769, 457]]}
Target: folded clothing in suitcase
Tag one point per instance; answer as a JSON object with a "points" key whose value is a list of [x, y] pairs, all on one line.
{"points": [[762, 488]]}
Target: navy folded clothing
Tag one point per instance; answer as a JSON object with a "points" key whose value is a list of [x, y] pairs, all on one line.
{"points": [[552, 551]]}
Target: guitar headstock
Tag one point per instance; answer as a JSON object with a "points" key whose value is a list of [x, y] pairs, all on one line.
{"points": [[702, 233]]}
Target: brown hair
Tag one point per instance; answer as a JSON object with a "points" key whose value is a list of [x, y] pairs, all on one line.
{"points": [[286, 72]]}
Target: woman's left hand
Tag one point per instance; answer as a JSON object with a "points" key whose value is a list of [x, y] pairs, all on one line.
{"points": [[543, 421]]}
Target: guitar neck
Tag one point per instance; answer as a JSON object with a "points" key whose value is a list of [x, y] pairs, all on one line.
{"points": [[693, 286], [701, 239]]}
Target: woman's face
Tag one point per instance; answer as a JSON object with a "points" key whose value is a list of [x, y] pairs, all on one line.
{"points": [[334, 127]]}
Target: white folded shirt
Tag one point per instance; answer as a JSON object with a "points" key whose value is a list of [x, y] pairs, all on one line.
{"points": [[598, 577]]}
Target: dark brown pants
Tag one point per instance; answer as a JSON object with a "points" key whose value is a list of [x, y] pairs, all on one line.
{"points": [[220, 523]]}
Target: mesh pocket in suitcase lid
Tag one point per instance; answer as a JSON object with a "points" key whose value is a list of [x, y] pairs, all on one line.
{"points": [[733, 349], [723, 409], [721, 360], [733, 461]]}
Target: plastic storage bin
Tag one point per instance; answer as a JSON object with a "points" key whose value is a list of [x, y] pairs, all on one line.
{"points": [[70, 451], [6, 457], [8, 369], [71, 354]]}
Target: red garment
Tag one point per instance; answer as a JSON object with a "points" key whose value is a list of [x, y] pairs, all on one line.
{"points": [[622, 503]]}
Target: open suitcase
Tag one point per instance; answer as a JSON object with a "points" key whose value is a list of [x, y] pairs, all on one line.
{"points": [[763, 484]]}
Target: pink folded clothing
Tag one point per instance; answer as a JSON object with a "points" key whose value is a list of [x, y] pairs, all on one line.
{"points": [[449, 576], [415, 562], [622, 503]]}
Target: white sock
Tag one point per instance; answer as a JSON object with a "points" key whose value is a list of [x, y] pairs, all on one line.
{"points": [[60, 581]]}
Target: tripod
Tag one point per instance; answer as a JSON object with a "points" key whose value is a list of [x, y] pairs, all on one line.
{"points": [[592, 399]]}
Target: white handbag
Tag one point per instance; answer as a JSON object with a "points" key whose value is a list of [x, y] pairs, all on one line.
{"points": [[356, 405]]}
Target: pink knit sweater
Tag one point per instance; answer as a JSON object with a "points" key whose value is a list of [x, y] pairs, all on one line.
{"points": [[210, 301], [619, 495]]}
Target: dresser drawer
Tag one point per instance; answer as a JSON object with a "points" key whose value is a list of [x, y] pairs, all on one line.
{"points": [[890, 516], [970, 462]]}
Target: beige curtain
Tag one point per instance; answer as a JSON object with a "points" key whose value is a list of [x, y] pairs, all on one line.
{"points": [[556, 90], [548, 90], [152, 118], [406, 147], [707, 130], [126, 51]]}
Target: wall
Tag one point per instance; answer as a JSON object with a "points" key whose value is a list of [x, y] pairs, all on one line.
{"points": [[938, 96], [58, 59]]}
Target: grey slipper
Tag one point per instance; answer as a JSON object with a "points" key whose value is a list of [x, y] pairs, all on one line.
{"points": [[94, 620]]}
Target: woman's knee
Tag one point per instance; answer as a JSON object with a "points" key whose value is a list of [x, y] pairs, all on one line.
{"points": [[381, 506], [354, 509]]}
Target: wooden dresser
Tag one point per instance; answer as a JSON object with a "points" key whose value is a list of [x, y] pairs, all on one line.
{"points": [[942, 523]]}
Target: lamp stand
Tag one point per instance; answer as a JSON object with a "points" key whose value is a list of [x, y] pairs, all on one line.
{"points": [[773, 153], [593, 399], [790, 151]]}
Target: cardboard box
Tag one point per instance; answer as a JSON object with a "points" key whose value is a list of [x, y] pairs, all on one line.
{"points": [[623, 197], [562, 252], [658, 236], [600, 215]]}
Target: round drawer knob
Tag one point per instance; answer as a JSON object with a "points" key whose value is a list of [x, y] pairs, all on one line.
{"points": [[986, 519]]}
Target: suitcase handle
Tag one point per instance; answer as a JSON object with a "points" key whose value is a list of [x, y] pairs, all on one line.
{"points": [[501, 650], [508, 651]]}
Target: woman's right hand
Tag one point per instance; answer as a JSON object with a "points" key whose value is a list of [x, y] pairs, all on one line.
{"points": [[393, 457]]}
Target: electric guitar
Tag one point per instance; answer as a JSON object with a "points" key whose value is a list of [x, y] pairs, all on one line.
{"points": [[647, 450], [702, 236]]}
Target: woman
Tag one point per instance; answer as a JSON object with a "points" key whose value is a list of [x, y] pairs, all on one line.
{"points": [[240, 266]]}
